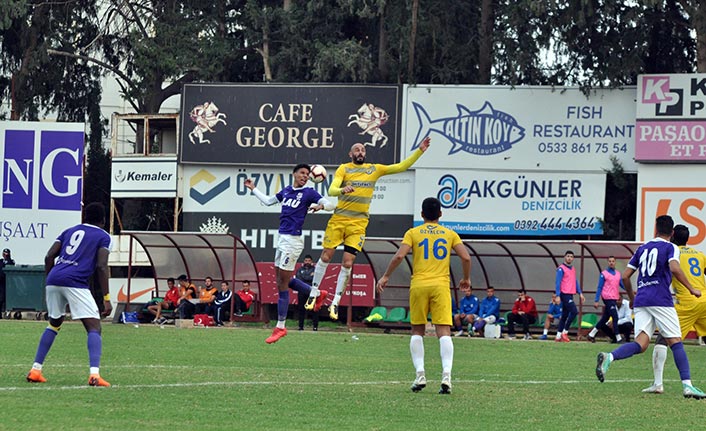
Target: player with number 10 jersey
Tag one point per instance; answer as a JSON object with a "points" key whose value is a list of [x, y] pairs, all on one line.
{"points": [[431, 246]]}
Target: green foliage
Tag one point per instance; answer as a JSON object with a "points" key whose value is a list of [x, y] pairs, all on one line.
{"points": [[228, 378], [621, 203]]}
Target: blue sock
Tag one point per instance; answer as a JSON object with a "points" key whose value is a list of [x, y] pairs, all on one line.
{"points": [[283, 305], [95, 348], [626, 350], [681, 361], [299, 286], [45, 342]]}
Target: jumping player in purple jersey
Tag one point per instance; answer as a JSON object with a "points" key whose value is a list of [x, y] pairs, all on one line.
{"points": [[296, 201], [655, 262], [75, 255]]}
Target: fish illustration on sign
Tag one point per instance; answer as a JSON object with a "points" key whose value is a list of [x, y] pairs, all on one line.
{"points": [[484, 132]]}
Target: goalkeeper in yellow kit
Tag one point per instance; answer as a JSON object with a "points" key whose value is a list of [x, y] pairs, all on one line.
{"points": [[354, 184]]}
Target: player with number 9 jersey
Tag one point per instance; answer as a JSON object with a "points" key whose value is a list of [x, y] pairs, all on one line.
{"points": [[77, 259]]}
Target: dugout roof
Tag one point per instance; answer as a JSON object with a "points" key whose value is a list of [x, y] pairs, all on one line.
{"points": [[198, 255], [507, 265]]}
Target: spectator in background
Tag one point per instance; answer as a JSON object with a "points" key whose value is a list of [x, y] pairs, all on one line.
{"points": [[553, 315], [566, 286], [222, 303], [306, 274], [243, 299], [207, 294], [467, 312], [168, 303], [489, 311], [5, 261], [609, 283], [524, 311], [187, 291]]}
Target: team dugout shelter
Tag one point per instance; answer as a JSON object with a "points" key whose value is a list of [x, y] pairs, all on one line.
{"points": [[223, 257], [507, 265]]}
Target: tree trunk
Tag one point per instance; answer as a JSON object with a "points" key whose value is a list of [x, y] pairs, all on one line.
{"points": [[699, 25], [382, 47], [265, 51], [286, 5], [485, 44], [412, 42]]}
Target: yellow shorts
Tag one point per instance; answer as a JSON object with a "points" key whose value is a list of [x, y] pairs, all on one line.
{"points": [[346, 231], [692, 316], [434, 299]]}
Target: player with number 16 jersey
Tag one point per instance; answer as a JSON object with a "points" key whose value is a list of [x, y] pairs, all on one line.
{"points": [[431, 246]]}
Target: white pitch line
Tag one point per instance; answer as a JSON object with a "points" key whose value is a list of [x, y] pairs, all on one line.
{"points": [[43, 387]]}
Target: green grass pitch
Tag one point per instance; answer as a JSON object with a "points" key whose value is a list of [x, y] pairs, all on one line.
{"points": [[228, 378]]}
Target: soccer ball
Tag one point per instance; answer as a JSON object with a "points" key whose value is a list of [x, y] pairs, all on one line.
{"points": [[317, 173]]}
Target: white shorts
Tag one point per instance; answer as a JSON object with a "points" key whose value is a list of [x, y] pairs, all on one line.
{"points": [[490, 319], [289, 248], [80, 302], [664, 318]]}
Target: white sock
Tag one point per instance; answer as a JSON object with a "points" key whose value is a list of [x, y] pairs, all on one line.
{"points": [[619, 337], [37, 366], [558, 335], [546, 331], [565, 332], [416, 348], [659, 357], [341, 284], [319, 272], [687, 382], [94, 370], [593, 332], [446, 346], [280, 324]]}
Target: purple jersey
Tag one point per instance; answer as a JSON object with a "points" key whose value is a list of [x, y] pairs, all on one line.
{"points": [[654, 278], [77, 258], [295, 205]]}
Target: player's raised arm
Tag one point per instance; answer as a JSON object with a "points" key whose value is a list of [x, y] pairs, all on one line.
{"points": [[267, 200], [409, 161]]}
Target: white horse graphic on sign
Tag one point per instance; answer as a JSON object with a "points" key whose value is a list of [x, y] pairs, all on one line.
{"points": [[206, 117], [370, 119]]}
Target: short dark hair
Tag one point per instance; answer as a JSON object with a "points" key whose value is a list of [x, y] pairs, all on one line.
{"points": [[208, 278], [431, 209], [182, 277], [224, 282], [568, 252], [94, 213], [490, 287], [308, 256], [246, 281], [301, 165], [170, 279], [681, 235], [522, 291], [664, 225]]}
